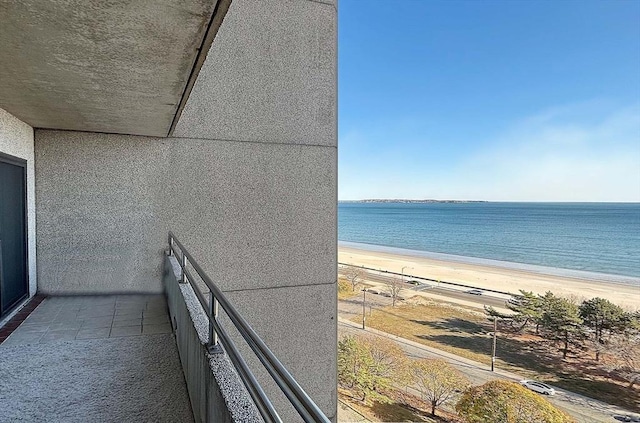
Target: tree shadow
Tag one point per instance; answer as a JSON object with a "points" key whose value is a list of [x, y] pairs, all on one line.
{"points": [[396, 412], [529, 355], [536, 356], [453, 324]]}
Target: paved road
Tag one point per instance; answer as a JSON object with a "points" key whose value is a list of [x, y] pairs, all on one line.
{"points": [[584, 409], [489, 299]]}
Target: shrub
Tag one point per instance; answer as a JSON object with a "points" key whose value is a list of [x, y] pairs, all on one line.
{"points": [[500, 401]]}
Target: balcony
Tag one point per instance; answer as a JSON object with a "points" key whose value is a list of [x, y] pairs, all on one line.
{"points": [[94, 358], [115, 357], [215, 119]]}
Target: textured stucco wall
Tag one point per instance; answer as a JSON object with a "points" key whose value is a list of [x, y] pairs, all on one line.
{"points": [[16, 139], [265, 105], [269, 76], [261, 220], [101, 203]]}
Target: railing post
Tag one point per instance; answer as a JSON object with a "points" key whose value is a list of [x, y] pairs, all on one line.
{"points": [[183, 265], [170, 246], [214, 346]]}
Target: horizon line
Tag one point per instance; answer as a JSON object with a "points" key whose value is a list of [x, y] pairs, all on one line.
{"points": [[489, 201]]}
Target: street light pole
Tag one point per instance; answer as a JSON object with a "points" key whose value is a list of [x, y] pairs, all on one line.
{"points": [[493, 352], [402, 271], [364, 301]]}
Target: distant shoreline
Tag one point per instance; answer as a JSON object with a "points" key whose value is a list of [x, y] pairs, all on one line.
{"points": [[400, 200], [431, 201]]}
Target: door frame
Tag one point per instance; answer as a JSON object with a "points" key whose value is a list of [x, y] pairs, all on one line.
{"points": [[17, 161]]}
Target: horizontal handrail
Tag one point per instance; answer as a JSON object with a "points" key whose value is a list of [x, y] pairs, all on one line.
{"points": [[300, 400]]}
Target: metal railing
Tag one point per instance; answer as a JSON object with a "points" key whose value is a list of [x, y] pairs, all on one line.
{"points": [[303, 404]]}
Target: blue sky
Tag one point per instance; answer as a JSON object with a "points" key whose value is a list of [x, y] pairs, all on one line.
{"points": [[489, 100]]}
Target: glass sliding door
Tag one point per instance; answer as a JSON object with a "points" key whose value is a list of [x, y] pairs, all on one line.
{"points": [[14, 283]]}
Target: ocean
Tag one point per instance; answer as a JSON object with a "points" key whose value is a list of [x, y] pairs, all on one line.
{"points": [[593, 240]]}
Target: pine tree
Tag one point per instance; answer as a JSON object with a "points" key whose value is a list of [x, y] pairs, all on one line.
{"points": [[528, 309], [603, 318], [561, 321]]}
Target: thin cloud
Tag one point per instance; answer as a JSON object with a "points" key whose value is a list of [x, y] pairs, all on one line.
{"points": [[571, 153], [555, 157]]}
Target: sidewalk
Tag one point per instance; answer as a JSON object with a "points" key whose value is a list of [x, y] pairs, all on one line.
{"points": [[346, 414], [447, 356]]}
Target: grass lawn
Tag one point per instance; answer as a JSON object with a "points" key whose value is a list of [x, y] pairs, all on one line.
{"points": [[465, 332], [344, 289]]}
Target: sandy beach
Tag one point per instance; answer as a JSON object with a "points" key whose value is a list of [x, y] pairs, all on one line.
{"points": [[492, 277]]}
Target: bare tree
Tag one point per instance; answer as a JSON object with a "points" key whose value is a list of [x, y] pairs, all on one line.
{"points": [[626, 354], [390, 360], [394, 288], [354, 275], [437, 381]]}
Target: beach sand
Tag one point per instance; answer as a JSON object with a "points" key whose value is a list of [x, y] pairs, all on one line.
{"points": [[493, 277]]}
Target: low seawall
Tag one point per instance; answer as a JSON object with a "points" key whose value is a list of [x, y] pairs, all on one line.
{"points": [[215, 390]]}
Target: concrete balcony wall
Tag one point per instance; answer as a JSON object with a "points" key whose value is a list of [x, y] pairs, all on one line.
{"points": [[260, 219], [264, 105], [101, 202], [269, 77], [216, 391], [16, 139]]}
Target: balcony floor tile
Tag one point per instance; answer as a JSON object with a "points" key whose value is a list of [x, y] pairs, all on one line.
{"points": [[103, 358], [93, 333]]}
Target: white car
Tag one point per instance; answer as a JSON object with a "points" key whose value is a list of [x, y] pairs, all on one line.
{"points": [[515, 301], [541, 388]]}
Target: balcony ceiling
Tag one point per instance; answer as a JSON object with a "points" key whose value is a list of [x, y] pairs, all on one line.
{"points": [[116, 66]]}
